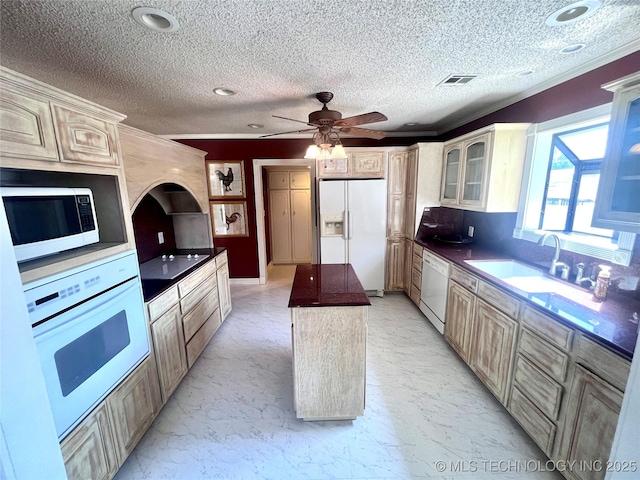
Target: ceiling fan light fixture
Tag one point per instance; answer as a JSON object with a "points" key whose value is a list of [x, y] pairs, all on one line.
{"points": [[338, 152], [312, 152]]}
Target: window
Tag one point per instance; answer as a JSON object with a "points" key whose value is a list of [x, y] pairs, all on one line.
{"points": [[560, 181]]}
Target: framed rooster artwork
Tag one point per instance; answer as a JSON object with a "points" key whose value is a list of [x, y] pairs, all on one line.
{"points": [[225, 179], [229, 219]]}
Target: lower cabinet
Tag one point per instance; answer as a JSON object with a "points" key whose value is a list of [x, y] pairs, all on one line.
{"points": [[224, 291], [395, 264], [89, 452], [459, 319], [168, 344], [133, 405], [492, 349], [406, 272], [590, 425]]}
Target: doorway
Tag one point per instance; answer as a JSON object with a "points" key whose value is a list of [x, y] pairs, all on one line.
{"points": [[284, 174]]}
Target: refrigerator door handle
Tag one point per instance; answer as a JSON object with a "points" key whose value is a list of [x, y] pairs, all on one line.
{"points": [[350, 224]]}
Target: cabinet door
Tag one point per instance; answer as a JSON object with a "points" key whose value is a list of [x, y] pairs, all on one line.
{"points": [[493, 348], [27, 127], [592, 416], [474, 171], [618, 200], [85, 139], [133, 405], [395, 265], [459, 319], [89, 451], [224, 292], [300, 226], [451, 175], [395, 194], [280, 226], [368, 164], [406, 271], [168, 342], [278, 180], [410, 196], [299, 180]]}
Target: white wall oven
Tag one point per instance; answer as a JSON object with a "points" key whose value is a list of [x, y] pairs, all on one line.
{"points": [[90, 330]]}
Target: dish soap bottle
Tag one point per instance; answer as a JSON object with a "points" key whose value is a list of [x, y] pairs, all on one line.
{"points": [[602, 283]]}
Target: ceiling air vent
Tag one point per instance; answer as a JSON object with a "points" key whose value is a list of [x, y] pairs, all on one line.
{"points": [[457, 80]]}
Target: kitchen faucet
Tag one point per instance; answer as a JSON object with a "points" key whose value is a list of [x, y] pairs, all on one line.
{"points": [[554, 261]]}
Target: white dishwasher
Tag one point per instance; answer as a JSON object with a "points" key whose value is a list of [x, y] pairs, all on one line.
{"points": [[433, 294]]}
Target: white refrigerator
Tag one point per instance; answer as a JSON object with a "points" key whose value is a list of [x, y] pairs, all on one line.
{"points": [[353, 217]]}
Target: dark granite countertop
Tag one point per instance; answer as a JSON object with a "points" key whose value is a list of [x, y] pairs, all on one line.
{"points": [[327, 285], [152, 288], [607, 322]]}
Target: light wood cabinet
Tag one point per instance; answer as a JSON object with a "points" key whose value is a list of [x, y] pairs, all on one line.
{"points": [[458, 323], [224, 291], [290, 216], [84, 138], [406, 271], [591, 418], [27, 126], [411, 179], [202, 337], [483, 170], [360, 163], [169, 348], [395, 264], [618, 200], [493, 348], [89, 451], [133, 405], [396, 185]]}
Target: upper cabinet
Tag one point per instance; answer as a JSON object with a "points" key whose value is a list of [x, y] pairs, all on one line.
{"points": [[483, 170], [40, 122], [618, 201], [360, 163]]}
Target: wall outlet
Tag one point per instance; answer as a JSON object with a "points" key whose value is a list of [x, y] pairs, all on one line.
{"points": [[470, 231], [160, 238]]}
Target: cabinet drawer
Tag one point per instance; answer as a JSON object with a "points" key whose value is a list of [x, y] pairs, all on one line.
{"points": [[201, 338], [417, 263], [416, 278], [608, 365], [197, 277], [464, 279], [188, 302], [548, 358], [539, 427], [539, 387], [417, 250], [498, 299], [196, 317], [163, 303], [221, 259], [548, 328]]}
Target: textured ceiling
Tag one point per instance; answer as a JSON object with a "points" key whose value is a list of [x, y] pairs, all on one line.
{"points": [[379, 55]]}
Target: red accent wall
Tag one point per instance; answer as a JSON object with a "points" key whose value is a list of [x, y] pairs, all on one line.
{"points": [[149, 219], [571, 96]]}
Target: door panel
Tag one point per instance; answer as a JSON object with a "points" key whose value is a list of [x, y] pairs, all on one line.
{"points": [[280, 226], [301, 226]]}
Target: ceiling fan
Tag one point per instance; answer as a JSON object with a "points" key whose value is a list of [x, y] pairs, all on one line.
{"points": [[330, 122]]}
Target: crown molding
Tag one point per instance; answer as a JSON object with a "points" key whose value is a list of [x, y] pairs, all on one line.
{"points": [[257, 136], [597, 62]]}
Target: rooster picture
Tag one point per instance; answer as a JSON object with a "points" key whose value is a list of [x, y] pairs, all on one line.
{"points": [[233, 218], [226, 180]]}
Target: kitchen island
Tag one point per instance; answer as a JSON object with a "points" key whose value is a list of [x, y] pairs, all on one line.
{"points": [[328, 338]]}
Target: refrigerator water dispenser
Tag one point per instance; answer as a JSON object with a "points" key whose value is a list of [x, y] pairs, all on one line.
{"points": [[332, 224]]}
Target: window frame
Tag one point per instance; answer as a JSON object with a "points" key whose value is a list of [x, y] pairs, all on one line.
{"points": [[539, 147]]}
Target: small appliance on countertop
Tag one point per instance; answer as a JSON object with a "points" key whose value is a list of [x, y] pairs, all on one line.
{"points": [[168, 267]]}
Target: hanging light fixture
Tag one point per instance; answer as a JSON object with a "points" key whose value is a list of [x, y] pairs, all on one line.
{"points": [[321, 149]]}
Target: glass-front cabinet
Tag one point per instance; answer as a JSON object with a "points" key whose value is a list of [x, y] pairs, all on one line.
{"points": [[474, 168], [451, 174], [618, 200]]}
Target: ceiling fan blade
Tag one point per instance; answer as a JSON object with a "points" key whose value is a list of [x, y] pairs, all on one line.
{"points": [[294, 120], [371, 117], [363, 132], [284, 133]]}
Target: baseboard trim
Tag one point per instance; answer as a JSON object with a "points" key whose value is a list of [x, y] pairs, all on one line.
{"points": [[244, 281]]}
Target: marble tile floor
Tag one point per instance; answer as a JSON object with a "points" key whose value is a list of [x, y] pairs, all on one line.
{"points": [[232, 417]]}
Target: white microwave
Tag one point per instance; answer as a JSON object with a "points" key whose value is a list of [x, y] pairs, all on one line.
{"points": [[47, 220]]}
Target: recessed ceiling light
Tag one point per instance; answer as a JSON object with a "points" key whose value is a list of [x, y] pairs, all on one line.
{"points": [[155, 19], [573, 12], [225, 92], [524, 73], [572, 48], [255, 125], [411, 124]]}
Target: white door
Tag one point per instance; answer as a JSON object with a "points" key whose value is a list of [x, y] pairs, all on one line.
{"points": [[280, 226], [333, 201], [366, 227], [300, 226]]}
